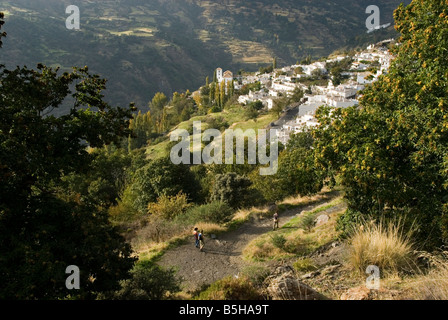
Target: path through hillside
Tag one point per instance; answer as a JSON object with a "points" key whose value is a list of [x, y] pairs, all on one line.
{"points": [[222, 256]]}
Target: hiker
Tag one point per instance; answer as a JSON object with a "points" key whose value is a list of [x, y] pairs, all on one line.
{"points": [[275, 220], [201, 240], [196, 237]]}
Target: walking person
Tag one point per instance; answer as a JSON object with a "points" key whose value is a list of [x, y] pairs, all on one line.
{"points": [[275, 220], [201, 240], [196, 237]]}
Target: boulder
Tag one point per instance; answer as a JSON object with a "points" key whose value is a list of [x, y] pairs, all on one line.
{"points": [[358, 293], [323, 218], [363, 293], [284, 285]]}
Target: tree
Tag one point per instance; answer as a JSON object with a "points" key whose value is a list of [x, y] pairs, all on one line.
{"points": [[168, 207], [230, 188], [279, 105], [297, 172], [143, 129], [157, 104], [336, 75], [297, 95], [42, 232], [391, 153], [160, 177]]}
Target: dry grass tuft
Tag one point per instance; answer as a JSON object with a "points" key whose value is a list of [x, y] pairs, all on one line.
{"points": [[245, 214], [383, 245]]}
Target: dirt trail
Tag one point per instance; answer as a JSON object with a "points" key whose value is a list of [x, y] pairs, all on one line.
{"points": [[221, 257]]}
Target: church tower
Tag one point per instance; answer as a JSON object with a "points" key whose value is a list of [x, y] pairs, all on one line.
{"points": [[219, 75]]}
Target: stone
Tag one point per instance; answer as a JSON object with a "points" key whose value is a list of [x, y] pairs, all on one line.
{"points": [[286, 286], [330, 269], [309, 275], [358, 293], [363, 293], [322, 219]]}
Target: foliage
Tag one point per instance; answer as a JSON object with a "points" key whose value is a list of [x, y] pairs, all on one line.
{"points": [[307, 221], [231, 288], [40, 241], [231, 188], [337, 67], [297, 95], [43, 232], [143, 129], [109, 173], [251, 113], [254, 87], [256, 274], [391, 153], [267, 69], [279, 105], [168, 207], [148, 282], [279, 241], [214, 212], [159, 177], [297, 172]]}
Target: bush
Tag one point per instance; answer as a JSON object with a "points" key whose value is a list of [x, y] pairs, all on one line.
{"points": [[214, 212], [148, 282], [159, 230], [279, 241], [308, 221], [168, 207], [231, 288], [256, 274], [159, 177], [231, 188]]}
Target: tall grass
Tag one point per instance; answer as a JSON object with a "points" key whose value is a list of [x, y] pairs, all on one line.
{"points": [[382, 244]]}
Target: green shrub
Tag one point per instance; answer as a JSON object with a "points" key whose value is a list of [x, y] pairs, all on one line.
{"points": [[214, 212], [256, 274], [231, 188], [231, 288], [148, 282], [168, 207], [279, 241], [307, 222]]}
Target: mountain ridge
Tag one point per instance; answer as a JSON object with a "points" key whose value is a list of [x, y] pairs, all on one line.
{"points": [[143, 47]]}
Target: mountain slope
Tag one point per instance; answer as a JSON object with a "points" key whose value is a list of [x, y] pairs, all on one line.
{"points": [[171, 45]]}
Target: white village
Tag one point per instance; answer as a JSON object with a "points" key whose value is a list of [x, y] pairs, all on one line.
{"points": [[283, 81]]}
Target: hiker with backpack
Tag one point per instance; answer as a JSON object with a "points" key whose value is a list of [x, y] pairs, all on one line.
{"points": [[196, 237], [275, 220], [201, 240]]}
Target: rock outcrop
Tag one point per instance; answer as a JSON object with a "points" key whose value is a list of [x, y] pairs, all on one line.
{"points": [[284, 284]]}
